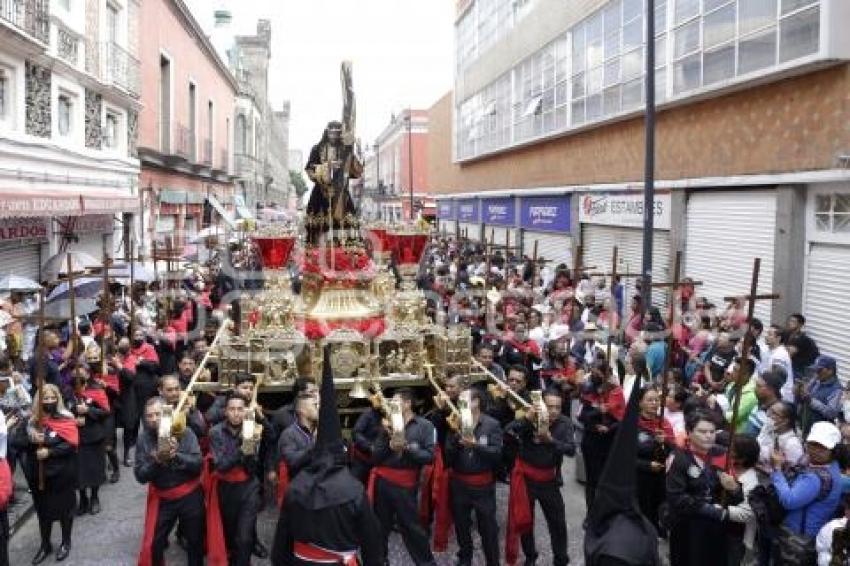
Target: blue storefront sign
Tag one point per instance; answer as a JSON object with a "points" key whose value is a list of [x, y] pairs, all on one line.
{"points": [[499, 211], [446, 210], [549, 214], [467, 210]]}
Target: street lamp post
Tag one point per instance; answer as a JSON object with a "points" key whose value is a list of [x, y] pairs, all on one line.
{"points": [[410, 156], [649, 161]]}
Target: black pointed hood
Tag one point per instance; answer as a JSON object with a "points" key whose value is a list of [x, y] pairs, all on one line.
{"points": [[615, 526], [326, 481]]}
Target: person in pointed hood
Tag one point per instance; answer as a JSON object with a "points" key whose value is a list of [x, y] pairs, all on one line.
{"points": [[617, 533], [326, 516]]}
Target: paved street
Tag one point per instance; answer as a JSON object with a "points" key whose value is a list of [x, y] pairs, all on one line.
{"points": [[112, 537]]}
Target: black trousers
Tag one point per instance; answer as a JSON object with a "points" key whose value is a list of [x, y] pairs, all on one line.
{"points": [[4, 538], [595, 449], [482, 500], [240, 503], [191, 514], [398, 505], [552, 503]]}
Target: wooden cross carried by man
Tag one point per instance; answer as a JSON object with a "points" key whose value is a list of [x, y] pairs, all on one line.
{"points": [[674, 286], [742, 375]]}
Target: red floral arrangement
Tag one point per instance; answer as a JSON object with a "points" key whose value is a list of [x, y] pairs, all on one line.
{"points": [[369, 327], [408, 248], [348, 266]]}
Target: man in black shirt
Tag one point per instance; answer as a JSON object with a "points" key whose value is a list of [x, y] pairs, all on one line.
{"points": [[801, 347], [474, 461], [295, 443], [718, 359], [538, 467], [174, 489], [234, 491], [366, 430], [394, 480]]}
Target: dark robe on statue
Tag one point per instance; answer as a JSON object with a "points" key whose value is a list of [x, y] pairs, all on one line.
{"points": [[319, 203]]}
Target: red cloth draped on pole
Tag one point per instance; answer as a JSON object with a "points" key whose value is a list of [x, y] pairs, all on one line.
{"points": [[97, 396], [442, 508], [520, 512], [425, 495], [282, 482], [65, 427], [155, 495], [216, 546], [402, 477], [312, 553]]}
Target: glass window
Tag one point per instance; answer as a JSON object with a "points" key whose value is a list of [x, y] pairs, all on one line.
{"points": [[577, 112], [594, 80], [64, 109], [661, 50], [632, 94], [757, 52], [660, 16], [612, 72], [578, 85], [110, 134], [632, 64], [719, 26], [611, 102], [685, 10], [612, 44], [791, 5], [799, 34], [633, 34], [687, 39], [687, 73], [756, 14], [4, 92], [112, 22], [594, 107], [719, 65], [632, 9], [660, 84], [578, 49], [613, 21], [709, 5]]}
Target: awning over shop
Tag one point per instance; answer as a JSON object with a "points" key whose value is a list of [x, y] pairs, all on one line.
{"points": [[172, 196], [226, 216], [46, 203], [242, 211]]}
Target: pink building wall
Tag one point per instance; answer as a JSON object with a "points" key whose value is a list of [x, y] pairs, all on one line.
{"points": [[166, 32]]}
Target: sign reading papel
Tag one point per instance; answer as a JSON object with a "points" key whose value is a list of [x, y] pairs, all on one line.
{"points": [[618, 209], [550, 214]]}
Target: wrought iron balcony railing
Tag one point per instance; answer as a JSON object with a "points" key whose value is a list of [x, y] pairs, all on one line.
{"points": [[122, 68], [29, 16]]}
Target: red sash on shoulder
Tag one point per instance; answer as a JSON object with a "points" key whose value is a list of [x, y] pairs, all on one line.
{"points": [[156, 495], [282, 482], [65, 427], [359, 454], [520, 512], [110, 381], [97, 396], [312, 553], [402, 477], [216, 546]]}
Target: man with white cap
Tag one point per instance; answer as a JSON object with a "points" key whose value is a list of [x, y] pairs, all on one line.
{"points": [[814, 495]]}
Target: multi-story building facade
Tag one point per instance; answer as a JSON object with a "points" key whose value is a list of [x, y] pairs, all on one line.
{"points": [[396, 164], [262, 134], [69, 103], [185, 125], [542, 140]]}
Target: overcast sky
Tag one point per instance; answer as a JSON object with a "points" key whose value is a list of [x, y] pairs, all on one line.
{"points": [[402, 52]]}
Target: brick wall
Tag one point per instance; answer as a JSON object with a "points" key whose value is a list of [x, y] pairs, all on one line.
{"points": [[796, 124]]}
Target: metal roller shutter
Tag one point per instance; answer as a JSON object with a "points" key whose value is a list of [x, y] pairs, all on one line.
{"points": [[598, 243], [19, 259], [558, 248], [447, 226], [472, 229], [827, 273], [726, 231], [498, 233]]}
